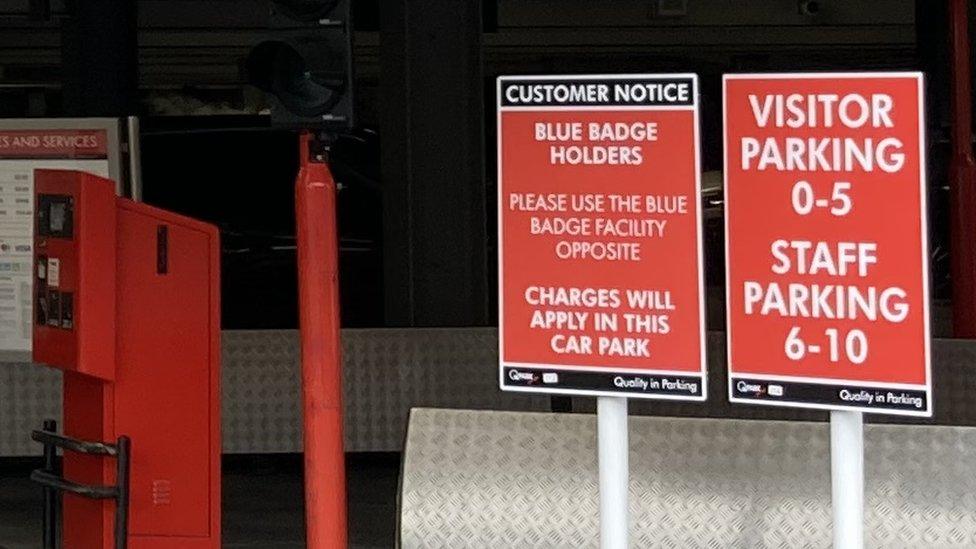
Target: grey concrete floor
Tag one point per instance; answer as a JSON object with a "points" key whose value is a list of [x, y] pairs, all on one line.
{"points": [[262, 502]]}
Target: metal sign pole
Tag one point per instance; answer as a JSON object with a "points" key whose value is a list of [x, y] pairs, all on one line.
{"points": [[614, 449], [321, 362], [135, 158], [847, 478]]}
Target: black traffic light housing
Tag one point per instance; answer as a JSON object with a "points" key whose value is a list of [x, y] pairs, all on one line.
{"points": [[305, 64]]}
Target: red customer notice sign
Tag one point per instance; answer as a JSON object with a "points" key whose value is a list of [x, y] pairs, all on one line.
{"points": [[599, 232], [827, 296]]}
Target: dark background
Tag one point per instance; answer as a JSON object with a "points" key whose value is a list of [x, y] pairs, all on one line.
{"points": [[416, 212]]}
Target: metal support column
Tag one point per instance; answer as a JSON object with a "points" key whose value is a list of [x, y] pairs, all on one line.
{"points": [[962, 180], [434, 193]]}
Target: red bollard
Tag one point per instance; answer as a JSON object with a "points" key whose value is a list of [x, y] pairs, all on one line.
{"points": [[962, 181], [318, 299]]}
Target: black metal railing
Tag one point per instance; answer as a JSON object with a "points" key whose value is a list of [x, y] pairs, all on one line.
{"points": [[50, 478]]}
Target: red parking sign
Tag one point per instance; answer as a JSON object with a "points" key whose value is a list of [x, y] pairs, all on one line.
{"points": [[826, 248], [599, 233]]}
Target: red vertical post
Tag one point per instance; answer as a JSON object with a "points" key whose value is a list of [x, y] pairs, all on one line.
{"points": [[318, 301], [962, 178]]}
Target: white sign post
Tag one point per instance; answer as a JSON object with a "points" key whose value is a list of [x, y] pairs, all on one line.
{"points": [[827, 256], [847, 478], [612, 439]]}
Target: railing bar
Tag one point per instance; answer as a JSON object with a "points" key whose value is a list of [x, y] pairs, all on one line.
{"points": [[73, 444], [45, 478]]}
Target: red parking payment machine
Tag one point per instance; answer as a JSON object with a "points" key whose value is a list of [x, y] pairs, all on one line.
{"points": [[126, 304]]}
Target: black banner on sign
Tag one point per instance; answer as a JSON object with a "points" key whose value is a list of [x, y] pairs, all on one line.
{"points": [[597, 92], [623, 382], [856, 396]]}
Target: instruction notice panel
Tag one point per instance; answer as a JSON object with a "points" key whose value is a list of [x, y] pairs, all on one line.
{"points": [[599, 236], [21, 152], [826, 252]]}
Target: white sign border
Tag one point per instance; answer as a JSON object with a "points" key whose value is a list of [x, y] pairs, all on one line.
{"points": [[919, 78], [703, 331]]}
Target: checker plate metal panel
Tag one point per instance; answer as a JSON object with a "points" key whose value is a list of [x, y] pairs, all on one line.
{"points": [[28, 396], [388, 371], [505, 479]]}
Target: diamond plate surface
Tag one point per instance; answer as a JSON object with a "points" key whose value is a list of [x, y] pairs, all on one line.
{"points": [[261, 392], [28, 396], [388, 371], [528, 480]]}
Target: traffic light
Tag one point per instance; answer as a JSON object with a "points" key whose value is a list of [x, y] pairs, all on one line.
{"points": [[305, 64]]}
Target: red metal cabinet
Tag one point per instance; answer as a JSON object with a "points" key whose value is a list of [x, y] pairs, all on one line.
{"points": [[74, 282], [141, 359]]}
